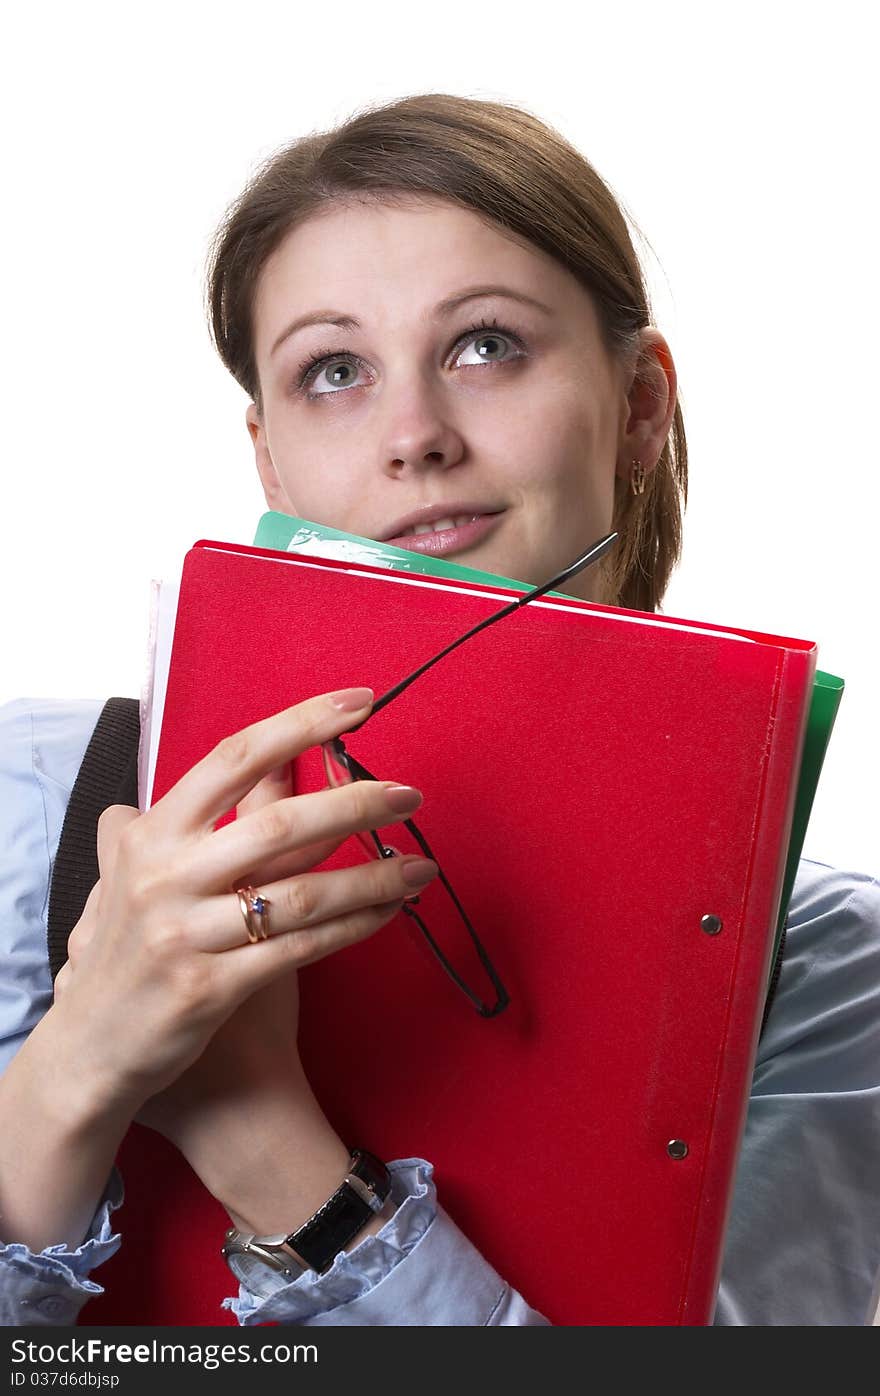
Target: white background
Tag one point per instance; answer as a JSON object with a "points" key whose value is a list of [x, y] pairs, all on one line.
{"points": [[743, 145]]}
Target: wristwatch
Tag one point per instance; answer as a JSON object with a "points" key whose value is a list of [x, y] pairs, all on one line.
{"points": [[314, 1245]]}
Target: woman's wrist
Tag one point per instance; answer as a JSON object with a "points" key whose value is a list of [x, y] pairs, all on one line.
{"points": [[74, 1097], [57, 1146], [92, 1091], [283, 1192], [270, 1158], [282, 1210]]}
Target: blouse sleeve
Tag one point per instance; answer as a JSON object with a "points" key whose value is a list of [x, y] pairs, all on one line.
{"points": [[803, 1242], [418, 1271], [41, 746]]}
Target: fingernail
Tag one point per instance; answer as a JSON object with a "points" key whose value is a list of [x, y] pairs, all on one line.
{"points": [[402, 798], [418, 872], [351, 700]]}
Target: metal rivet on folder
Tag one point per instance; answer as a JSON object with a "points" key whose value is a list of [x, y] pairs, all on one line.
{"points": [[677, 1148], [711, 925]]}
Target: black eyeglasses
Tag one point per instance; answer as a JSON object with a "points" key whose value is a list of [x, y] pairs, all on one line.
{"points": [[452, 938]]}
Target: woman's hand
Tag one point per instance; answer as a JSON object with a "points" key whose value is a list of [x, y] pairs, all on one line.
{"points": [[251, 1066], [160, 960]]}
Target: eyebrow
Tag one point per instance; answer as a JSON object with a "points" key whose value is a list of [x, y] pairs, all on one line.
{"points": [[348, 322]]}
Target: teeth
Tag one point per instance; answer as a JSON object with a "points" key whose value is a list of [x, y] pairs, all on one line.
{"points": [[439, 524]]}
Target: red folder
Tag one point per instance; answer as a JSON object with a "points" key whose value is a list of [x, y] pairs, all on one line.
{"points": [[597, 782]]}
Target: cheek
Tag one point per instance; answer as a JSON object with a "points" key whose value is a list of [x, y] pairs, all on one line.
{"points": [[321, 499], [318, 473], [552, 443]]}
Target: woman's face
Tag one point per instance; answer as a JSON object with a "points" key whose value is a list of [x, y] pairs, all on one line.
{"points": [[415, 360]]}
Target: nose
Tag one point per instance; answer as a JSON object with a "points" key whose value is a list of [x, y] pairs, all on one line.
{"points": [[419, 432]]}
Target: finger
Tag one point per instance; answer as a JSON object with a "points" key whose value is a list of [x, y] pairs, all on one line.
{"points": [[113, 820], [221, 861], [252, 966], [277, 785], [222, 779], [312, 899], [298, 860]]}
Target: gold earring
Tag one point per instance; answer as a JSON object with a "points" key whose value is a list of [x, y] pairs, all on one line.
{"points": [[637, 477]]}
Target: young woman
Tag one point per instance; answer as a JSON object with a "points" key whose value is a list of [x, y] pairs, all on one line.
{"points": [[440, 322]]}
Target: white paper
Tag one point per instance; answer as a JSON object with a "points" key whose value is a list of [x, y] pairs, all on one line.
{"points": [[163, 614]]}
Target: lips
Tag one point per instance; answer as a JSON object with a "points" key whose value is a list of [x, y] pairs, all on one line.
{"points": [[448, 540], [439, 525], [452, 513]]}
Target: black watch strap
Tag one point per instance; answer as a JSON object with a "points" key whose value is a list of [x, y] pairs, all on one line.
{"points": [[319, 1240]]}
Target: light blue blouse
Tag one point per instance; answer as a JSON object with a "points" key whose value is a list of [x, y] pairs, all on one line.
{"points": [[803, 1241]]}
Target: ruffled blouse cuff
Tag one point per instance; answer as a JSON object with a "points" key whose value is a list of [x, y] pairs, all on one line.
{"points": [[52, 1285], [354, 1273]]}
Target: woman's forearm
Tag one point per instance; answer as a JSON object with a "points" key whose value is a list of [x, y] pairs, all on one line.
{"points": [[57, 1144], [270, 1157]]}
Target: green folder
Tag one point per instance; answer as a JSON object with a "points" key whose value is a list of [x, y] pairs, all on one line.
{"points": [[287, 534]]}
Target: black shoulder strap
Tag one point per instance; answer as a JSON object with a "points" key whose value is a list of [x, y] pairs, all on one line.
{"points": [[107, 776]]}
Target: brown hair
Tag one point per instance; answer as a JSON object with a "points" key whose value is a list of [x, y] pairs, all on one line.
{"points": [[504, 164]]}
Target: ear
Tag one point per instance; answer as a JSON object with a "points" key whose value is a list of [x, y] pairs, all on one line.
{"points": [[274, 491], [650, 405]]}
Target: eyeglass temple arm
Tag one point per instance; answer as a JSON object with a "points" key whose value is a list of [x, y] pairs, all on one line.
{"points": [[592, 555]]}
